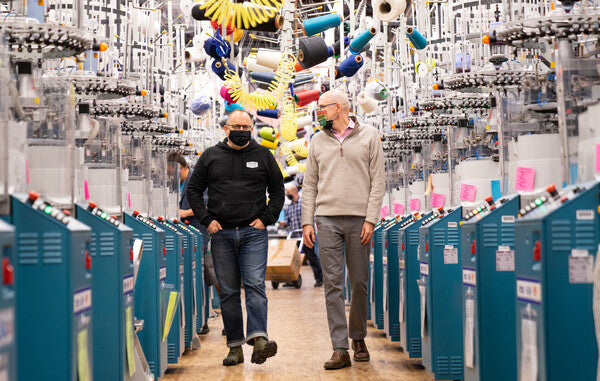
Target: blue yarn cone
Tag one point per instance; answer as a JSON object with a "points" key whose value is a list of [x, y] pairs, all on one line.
{"points": [[351, 65]]}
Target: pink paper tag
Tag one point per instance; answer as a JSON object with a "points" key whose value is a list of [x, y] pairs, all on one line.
{"points": [[597, 157], [438, 200], [385, 211], [129, 199], [467, 192], [525, 178], [415, 204], [86, 190], [398, 208], [27, 171]]}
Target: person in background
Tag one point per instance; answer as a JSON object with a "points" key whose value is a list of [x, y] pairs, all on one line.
{"points": [[293, 221], [238, 173], [345, 182], [186, 213]]}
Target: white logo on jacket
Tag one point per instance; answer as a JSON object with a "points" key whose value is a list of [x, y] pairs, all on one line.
{"points": [[252, 164]]}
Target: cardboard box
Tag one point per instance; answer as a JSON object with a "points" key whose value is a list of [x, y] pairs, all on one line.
{"points": [[284, 261]]}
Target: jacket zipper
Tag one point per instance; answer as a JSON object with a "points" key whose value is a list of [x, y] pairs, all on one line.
{"points": [[347, 137]]}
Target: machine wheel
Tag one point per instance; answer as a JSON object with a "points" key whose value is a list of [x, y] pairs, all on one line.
{"points": [[275, 285], [298, 283]]}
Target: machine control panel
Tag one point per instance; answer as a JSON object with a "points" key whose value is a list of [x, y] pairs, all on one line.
{"points": [[437, 213], [412, 218], [139, 217], [544, 200], [97, 211], [489, 203], [38, 203]]}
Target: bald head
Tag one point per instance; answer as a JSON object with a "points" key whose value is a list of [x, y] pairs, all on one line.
{"points": [[238, 116], [335, 96]]}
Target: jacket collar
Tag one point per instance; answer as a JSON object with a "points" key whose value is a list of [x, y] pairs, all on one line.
{"points": [[356, 127]]}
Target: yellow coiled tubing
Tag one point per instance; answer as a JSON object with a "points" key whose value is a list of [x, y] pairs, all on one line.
{"points": [[287, 154], [288, 125], [276, 91], [242, 15], [300, 149]]}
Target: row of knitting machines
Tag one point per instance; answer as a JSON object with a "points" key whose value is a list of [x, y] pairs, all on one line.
{"points": [[499, 290]]}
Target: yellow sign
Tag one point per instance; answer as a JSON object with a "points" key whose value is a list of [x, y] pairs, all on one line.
{"points": [[83, 359], [129, 340]]}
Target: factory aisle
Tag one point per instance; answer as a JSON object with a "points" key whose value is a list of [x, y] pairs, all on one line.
{"points": [[298, 322]]}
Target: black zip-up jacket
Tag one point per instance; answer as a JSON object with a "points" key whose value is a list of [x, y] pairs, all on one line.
{"points": [[236, 181]]}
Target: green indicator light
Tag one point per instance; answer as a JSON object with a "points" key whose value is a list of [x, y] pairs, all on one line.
{"points": [[48, 209], [103, 215], [145, 220], [538, 202]]}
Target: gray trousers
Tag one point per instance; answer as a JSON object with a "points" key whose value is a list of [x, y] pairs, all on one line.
{"points": [[339, 237]]}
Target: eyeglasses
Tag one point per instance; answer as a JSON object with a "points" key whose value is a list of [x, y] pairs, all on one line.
{"points": [[322, 107], [237, 127]]}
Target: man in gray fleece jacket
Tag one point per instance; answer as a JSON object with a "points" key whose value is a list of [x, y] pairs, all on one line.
{"points": [[343, 187]]}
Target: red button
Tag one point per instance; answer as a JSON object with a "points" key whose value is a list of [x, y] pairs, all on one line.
{"points": [[8, 272], [164, 251], [473, 247], [88, 260], [33, 195], [182, 251], [427, 245], [130, 254], [402, 245], [194, 248], [92, 205], [537, 251], [386, 244]]}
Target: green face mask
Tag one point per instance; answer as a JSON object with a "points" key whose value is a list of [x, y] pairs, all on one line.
{"points": [[325, 124]]}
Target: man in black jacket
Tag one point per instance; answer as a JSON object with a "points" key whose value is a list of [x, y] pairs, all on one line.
{"points": [[237, 172]]}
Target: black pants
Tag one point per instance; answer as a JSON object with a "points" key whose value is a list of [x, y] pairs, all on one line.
{"points": [[313, 260]]}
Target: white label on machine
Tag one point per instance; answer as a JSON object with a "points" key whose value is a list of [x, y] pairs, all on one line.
{"points": [[424, 268], [82, 300], [581, 269], [469, 277], [7, 326], [452, 224], [127, 284], [371, 258], [579, 252], [162, 273], [384, 259], [181, 269], [193, 265], [585, 214], [423, 293], [401, 264], [529, 290], [450, 255], [529, 355], [401, 304], [469, 331], [505, 259], [508, 219]]}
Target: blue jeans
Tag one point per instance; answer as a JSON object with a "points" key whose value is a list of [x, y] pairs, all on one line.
{"points": [[240, 257]]}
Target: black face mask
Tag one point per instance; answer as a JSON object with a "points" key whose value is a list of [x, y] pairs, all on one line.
{"points": [[291, 197], [239, 137]]}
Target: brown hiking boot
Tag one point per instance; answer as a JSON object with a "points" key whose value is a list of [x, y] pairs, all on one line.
{"points": [[340, 359], [361, 353]]}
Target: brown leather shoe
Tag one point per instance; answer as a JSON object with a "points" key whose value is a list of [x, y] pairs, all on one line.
{"points": [[339, 360], [361, 353]]}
